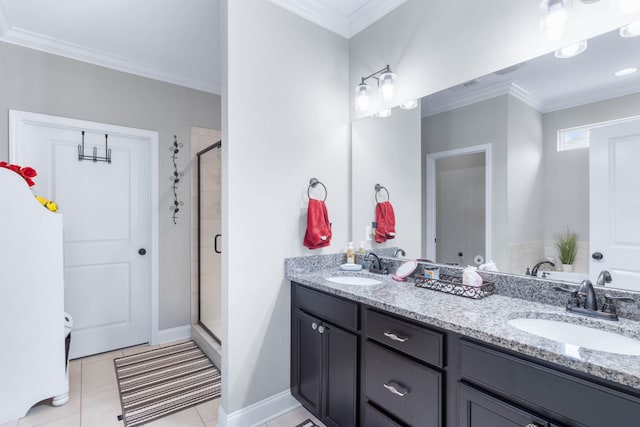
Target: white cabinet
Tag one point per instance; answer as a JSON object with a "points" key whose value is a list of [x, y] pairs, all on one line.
{"points": [[32, 335]]}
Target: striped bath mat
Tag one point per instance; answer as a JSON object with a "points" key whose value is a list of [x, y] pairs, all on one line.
{"points": [[166, 380]]}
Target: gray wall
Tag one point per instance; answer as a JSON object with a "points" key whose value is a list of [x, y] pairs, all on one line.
{"points": [[286, 119], [42, 83]]}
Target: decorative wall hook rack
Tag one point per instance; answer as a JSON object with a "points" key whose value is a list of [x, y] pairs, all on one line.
{"points": [[379, 188], [94, 157], [313, 182], [175, 178]]}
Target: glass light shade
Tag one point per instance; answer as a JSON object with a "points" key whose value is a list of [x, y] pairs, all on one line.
{"points": [[413, 103], [383, 113], [571, 50], [386, 83], [630, 30], [625, 72], [555, 19], [362, 97]]}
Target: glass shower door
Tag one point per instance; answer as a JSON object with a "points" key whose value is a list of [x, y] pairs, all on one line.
{"points": [[209, 239]]}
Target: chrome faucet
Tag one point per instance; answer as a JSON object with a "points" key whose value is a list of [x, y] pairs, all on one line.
{"points": [[603, 278], [399, 251], [534, 270]]}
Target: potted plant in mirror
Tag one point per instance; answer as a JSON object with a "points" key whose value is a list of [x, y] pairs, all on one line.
{"points": [[567, 245]]}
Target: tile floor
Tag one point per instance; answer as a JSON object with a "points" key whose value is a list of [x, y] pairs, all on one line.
{"points": [[95, 402]]}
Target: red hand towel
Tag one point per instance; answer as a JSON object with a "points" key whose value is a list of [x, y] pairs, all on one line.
{"points": [[386, 220], [318, 232]]}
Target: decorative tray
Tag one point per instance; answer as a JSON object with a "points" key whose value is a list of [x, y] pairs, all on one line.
{"points": [[453, 285]]}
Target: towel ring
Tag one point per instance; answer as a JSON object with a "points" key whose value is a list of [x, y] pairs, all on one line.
{"points": [[378, 188], [313, 183]]}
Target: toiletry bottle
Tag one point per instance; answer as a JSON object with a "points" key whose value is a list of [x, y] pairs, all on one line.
{"points": [[351, 255], [362, 250]]}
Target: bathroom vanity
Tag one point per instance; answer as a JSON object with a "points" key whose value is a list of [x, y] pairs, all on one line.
{"points": [[394, 355]]}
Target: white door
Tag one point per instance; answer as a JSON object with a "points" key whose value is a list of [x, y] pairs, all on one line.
{"points": [[614, 220], [106, 211]]}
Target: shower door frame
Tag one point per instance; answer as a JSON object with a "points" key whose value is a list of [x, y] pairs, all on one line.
{"points": [[198, 155]]}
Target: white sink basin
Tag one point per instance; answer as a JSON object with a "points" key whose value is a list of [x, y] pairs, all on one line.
{"points": [[354, 280], [578, 335]]}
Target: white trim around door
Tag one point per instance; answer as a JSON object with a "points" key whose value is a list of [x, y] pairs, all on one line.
{"points": [[17, 120], [430, 226]]}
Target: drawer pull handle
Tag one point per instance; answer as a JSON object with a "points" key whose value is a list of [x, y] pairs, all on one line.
{"points": [[394, 337], [532, 425], [395, 390]]}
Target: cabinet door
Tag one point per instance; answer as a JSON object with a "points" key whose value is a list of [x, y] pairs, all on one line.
{"points": [[307, 361], [477, 409], [340, 379]]}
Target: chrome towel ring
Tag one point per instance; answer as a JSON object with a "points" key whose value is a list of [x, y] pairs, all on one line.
{"points": [[378, 189], [313, 183]]}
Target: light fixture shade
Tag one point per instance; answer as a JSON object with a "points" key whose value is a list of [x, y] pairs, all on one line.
{"points": [[362, 97], [555, 18], [409, 105], [572, 50], [630, 30], [386, 83]]}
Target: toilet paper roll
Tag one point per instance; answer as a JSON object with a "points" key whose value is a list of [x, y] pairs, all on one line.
{"points": [[479, 259]]}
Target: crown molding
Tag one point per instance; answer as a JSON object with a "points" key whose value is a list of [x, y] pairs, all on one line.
{"points": [[594, 96], [53, 46], [370, 13], [317, 13], [482, 95]]}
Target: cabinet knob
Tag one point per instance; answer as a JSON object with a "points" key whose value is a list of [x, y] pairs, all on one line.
{"points": [[321, 329], [394, 337], [396, 389], [314, 326]]}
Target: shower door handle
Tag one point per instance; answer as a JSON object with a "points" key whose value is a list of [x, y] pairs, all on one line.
{"points": [[215, 244]]}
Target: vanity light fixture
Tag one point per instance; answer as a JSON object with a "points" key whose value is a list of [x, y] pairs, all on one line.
{"points": [[556, 15], [630, 30], [625, 72], [386, 85], [409, 105], [571, 50]]}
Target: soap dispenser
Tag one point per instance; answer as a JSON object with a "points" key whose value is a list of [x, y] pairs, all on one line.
{"points": [[351, 255]]}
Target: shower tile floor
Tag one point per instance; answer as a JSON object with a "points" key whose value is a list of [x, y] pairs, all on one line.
{"points": [[95, 402]]}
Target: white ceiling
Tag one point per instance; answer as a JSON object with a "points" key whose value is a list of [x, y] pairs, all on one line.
{"points": [[168, 40]]}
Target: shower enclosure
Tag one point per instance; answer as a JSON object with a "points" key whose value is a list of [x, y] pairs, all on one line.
{"points": [[209, 239]]}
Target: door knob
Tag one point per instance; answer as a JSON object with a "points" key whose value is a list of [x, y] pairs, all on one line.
{"points": [[597, 256], [142, 251]]}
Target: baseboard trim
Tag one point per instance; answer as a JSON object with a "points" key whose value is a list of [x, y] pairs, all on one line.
{"points": [[260, 412], [173, 334]]}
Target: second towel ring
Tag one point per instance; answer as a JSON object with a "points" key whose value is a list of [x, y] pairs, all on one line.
{"points": [[313, 182], [378, 188]]}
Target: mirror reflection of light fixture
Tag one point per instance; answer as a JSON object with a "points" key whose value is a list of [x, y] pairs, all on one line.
{"points": [[571, 50], [386, 84], [630, 30], [383, 113], [625, 72], [556, 15], [408, 105]]}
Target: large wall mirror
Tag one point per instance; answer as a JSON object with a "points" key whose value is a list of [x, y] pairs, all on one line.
{"points": [[514, 159]]}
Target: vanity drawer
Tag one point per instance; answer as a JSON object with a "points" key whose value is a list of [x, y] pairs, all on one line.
{"points": [[335, 310], [564, 396], [375, 418], [406, 337], [406, 389]]}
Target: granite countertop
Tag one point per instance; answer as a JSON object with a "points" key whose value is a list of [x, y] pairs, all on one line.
{"points": [[486, 320]]}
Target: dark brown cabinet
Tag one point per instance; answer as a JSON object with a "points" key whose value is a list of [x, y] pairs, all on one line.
{"points": [[477, 409], [324, 361]]}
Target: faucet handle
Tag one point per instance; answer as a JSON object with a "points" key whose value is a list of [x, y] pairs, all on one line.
{"points": [[610, 307], [573, 298]]}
